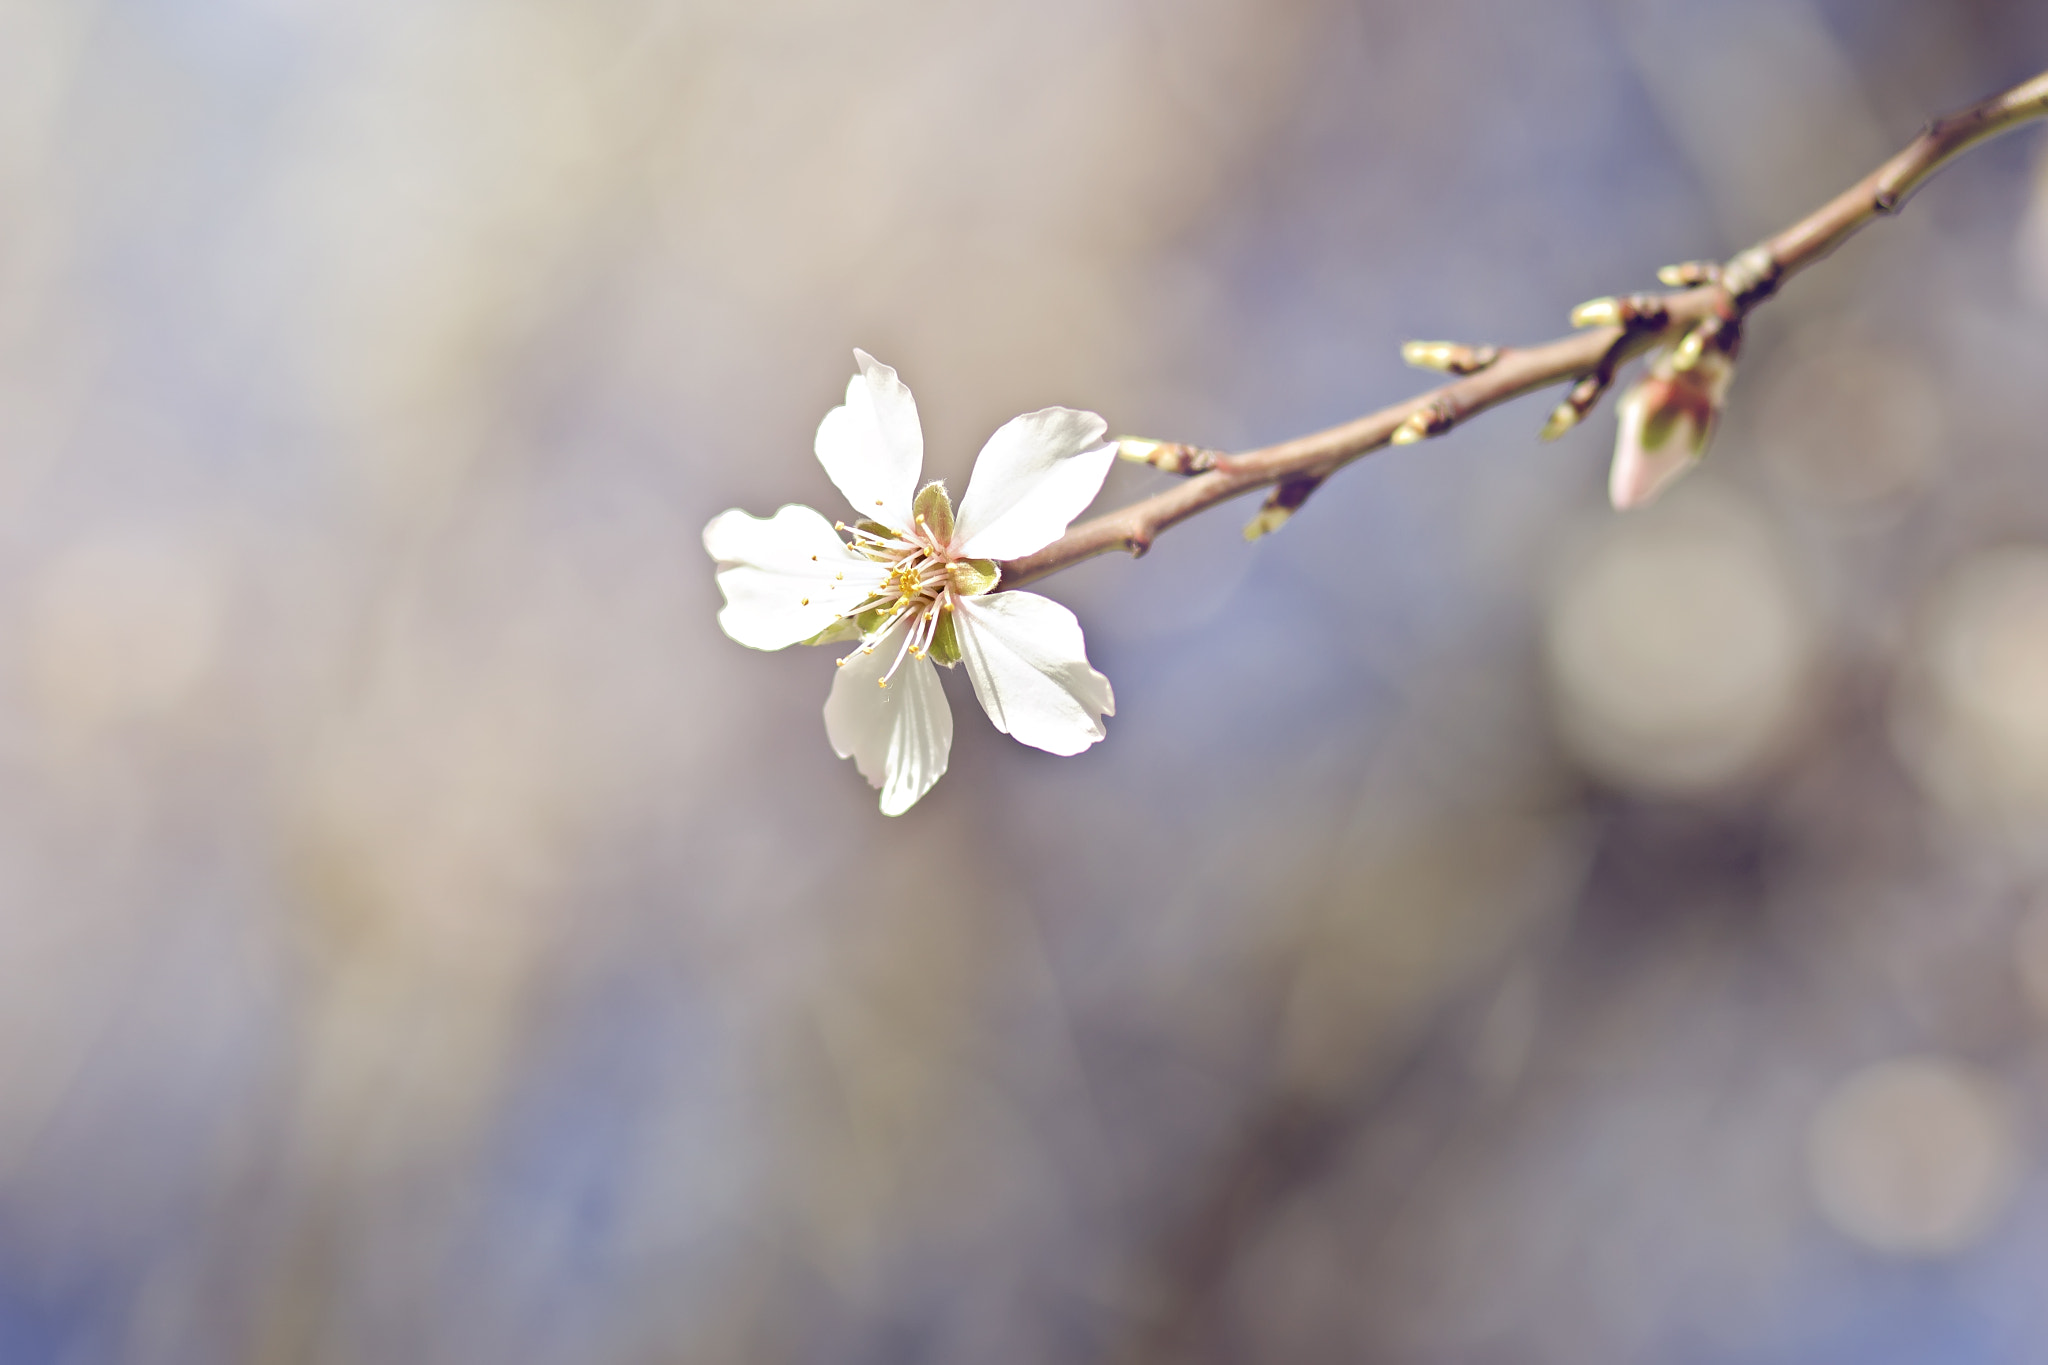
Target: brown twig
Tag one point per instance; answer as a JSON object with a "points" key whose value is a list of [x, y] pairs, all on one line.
{"points": [[1727, 293]]}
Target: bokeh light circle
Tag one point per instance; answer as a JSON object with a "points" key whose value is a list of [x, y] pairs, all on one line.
{"points": [[1679, 653], [1913, 1157]]}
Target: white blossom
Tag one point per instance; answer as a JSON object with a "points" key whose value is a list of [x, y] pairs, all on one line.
{"points": [[916, 584]]}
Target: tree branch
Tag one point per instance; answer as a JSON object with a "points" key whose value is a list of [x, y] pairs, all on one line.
{"points": [[1591, 356]]}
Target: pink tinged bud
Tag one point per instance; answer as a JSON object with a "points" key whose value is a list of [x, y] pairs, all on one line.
{"points": [[1667, 418]]}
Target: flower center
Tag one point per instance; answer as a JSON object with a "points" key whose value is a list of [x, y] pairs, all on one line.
{"points": [[924, 582]]}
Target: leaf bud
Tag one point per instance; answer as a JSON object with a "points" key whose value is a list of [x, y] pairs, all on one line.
{"points": [[1267, 520], [1448, 356], [1562, 418], [1687, 274], [1414, 429], [1605, 312]]}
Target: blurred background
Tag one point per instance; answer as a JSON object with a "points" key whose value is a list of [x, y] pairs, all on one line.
{"points": [[1494, 930]]}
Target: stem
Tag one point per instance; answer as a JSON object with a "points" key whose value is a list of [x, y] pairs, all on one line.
{"points": [[1747, 280]]}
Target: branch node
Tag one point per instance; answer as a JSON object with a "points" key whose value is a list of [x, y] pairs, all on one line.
{"points": [[1448, 356], [1751, 278]]}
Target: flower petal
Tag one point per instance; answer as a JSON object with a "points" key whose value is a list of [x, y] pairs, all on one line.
{"points": [[872, 445], [1030, 670], [785, 577], [898, 736], [1034, 476]]}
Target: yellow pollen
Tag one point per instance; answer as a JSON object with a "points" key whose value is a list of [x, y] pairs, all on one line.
{"points": [[881, 682], [878, 502], [806, 602]]}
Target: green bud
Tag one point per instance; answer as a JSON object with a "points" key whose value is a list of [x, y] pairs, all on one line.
{"points": [[1687, 274], [1268, 520], [1563, 418], [1690, 348], [1597, 313], [1411, 431], [1448, 356]]}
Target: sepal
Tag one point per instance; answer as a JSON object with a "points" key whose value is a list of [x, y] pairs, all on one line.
{"points": [[974, 577], [934, 512], [841, 629]]}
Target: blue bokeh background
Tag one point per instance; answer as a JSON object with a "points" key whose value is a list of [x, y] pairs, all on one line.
{"points": [[424, 937]]}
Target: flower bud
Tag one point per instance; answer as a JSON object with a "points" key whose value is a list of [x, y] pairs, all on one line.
{"points": [[1667, 418]]}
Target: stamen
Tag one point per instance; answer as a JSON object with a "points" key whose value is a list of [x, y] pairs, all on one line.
{"points": [[875, 637], [908, 632], [866, 541]]}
